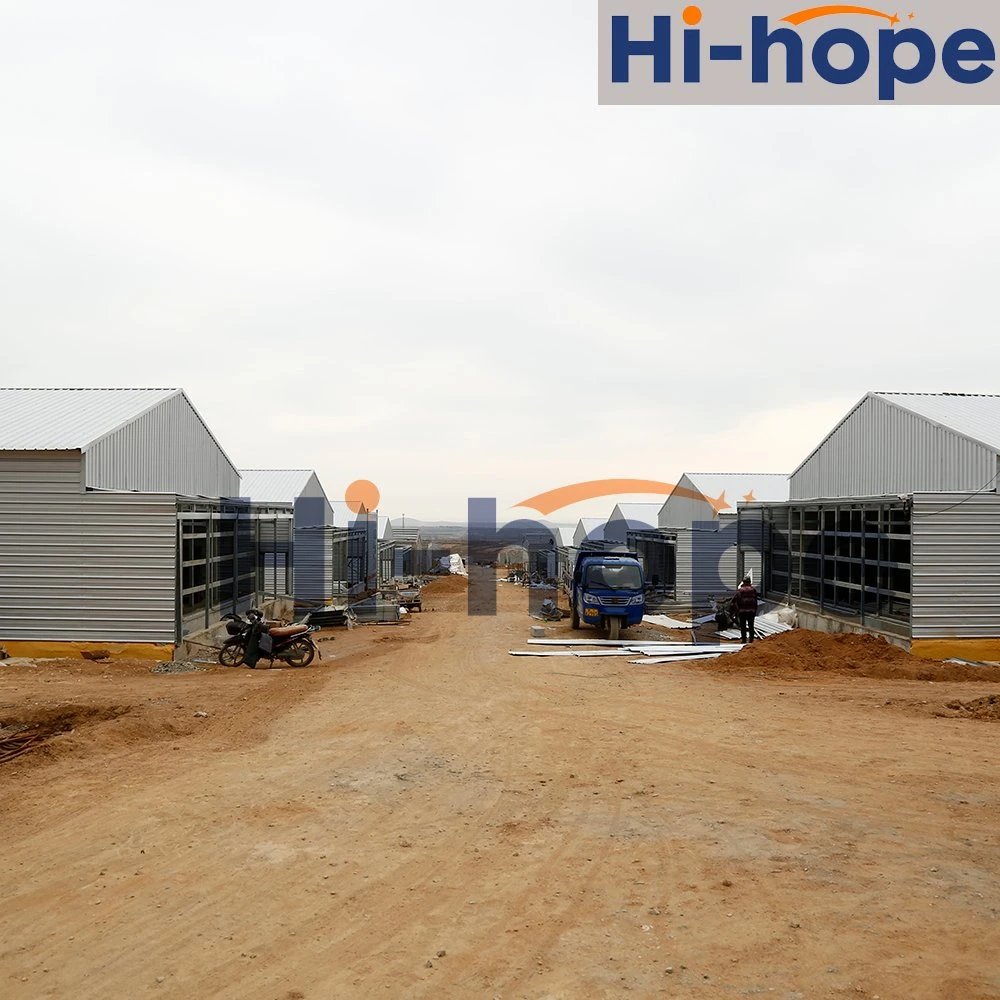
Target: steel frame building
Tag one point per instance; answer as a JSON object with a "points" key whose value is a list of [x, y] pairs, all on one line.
{"points": [[120, 523], [894, 525]]}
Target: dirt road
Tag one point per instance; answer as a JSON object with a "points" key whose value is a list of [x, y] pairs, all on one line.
{"points": [[426, 816]]}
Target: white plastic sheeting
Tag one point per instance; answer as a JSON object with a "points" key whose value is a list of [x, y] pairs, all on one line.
{"points": [[453, 564]]}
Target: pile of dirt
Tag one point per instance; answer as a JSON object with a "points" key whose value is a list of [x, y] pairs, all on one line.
{"points": [[987, 708], [452, 584], [803, 651]]}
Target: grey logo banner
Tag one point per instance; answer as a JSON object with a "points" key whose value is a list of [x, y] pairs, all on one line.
{"points": [[775, 52]]}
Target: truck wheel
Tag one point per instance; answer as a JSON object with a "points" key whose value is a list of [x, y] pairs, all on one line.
{"points": [[614, 627], [574, 618]]}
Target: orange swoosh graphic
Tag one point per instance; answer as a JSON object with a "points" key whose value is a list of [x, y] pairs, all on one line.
{"points": [[546, 503], [808, 15]]}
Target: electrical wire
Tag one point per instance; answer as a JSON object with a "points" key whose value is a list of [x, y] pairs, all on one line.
{"points": [[982, 489]]}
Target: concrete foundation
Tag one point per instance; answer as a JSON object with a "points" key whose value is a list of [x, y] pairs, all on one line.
{"points": [[205, 645], [831, 625]]}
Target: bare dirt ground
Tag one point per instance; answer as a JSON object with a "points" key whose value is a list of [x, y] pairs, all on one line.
{"points": [[422, 815]]}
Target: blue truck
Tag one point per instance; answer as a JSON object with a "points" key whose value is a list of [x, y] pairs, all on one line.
{"points": [[608, 591]]}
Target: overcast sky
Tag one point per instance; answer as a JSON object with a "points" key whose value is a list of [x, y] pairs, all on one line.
{"points": [[412, 248]]}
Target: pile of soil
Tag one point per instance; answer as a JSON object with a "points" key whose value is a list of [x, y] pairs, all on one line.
{"points": [[987, 708], [803, 651], [451, 584]]}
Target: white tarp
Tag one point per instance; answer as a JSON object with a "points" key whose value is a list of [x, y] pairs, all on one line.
{"points": [[453, 564]]}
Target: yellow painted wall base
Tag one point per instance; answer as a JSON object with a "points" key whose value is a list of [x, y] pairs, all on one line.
{"points": [[118, 650], [963, 649]]}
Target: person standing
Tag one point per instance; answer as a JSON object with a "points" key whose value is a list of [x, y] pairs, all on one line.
{"points": [[745, 606]]}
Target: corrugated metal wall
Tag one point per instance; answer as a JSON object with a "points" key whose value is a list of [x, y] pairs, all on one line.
{"points": [[274, 542], [38, 471], [881, 449], [168, 448], [956, 566], [386, 561], [706, 563], [313, 566], [87, 567]]}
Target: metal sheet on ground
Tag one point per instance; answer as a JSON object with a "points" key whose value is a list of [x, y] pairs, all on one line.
{"points": [[571, 652], [665, 621], [676, 659]]}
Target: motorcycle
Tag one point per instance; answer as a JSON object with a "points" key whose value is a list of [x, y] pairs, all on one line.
{"points": [[251, 639]]}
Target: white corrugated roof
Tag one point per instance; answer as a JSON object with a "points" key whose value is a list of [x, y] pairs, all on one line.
{"points": [[273, 485], [976, 417], [566, 534], [593, 528], [404, 534], [740, 487], [69, 419]]}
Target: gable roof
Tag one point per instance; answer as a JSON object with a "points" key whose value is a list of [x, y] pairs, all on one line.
{"points": [[344, 517], [273, 485], [976, 417], [398, 533], [565, 534], [732, 488], [637, 513], [593, 528], [70, 419]]}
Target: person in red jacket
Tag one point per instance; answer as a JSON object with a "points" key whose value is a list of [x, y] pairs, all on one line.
{"points": [[745, 606]]}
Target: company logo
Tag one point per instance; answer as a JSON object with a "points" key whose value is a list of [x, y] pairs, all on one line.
{"points": [[597, 489], [656, 52]]}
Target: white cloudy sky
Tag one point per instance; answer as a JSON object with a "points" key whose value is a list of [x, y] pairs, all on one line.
{"points": [[412, 248]]}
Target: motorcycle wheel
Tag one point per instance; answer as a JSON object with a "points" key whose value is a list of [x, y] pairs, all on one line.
{"points": [[574, 618], [300, 653], [232, 654], [614, 627]]}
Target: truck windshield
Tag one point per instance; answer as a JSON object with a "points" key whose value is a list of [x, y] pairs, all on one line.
{"points": [[614, 577]]}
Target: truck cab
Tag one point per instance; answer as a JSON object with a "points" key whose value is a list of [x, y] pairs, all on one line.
{"points": [[608, 591]]}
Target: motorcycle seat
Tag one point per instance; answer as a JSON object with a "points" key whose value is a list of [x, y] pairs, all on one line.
{"points": [[284, 631]]}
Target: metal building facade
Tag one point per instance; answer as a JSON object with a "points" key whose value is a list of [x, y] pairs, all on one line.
{"points": [[88, 566], [144, 440], [956, 566], [884, 446], [115, 519], [845, 558], [706, 559], [166, 448], [41, 471], [922, 567]]}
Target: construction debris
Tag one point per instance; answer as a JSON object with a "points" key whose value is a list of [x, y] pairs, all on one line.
{"points": [[19, 743], [571, 652], [332, 616], [548, 612], [763, 627], [665, 621], [684, 658]]}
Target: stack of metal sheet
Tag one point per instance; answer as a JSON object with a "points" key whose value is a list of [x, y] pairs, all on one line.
{"points": [[763, 627], [332, 616], [652, 652]]}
